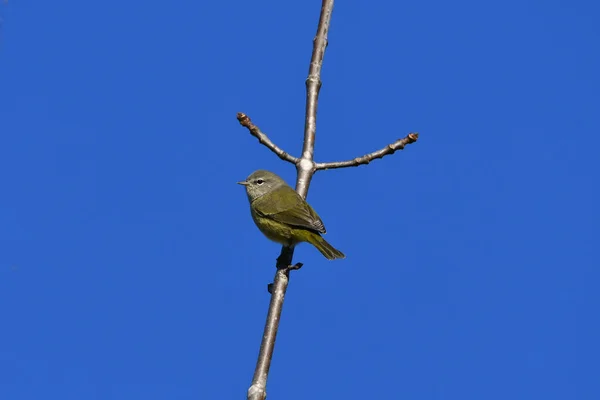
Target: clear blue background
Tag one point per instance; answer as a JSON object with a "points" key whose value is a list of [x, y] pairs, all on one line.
{"points": [[129, 264]]}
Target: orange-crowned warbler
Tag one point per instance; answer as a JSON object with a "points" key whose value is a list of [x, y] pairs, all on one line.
{"points": [[283, 216]]}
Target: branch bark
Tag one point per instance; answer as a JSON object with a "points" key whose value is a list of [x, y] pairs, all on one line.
{"points": [[367, 158], [306, 168], [264, 139]]}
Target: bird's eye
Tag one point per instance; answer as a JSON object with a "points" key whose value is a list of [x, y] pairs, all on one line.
{"points": [[260, 181]]}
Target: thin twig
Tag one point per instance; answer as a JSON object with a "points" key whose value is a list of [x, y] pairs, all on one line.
{"points": [[258, 389], [367, 158], [264, 139], [306, 168], [313, 81]]}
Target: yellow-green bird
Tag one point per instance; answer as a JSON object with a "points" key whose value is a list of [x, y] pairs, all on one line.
{"points": [[283, 216]]}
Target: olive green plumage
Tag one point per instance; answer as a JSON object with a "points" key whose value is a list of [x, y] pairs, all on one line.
{"points": [[283, 216]]}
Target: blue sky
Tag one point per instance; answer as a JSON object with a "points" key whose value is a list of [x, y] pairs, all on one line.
{"points": [[129, 264]]}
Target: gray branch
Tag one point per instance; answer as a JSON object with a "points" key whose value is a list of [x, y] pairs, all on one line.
{"points": [[306, 168], [367, 158], [264, 139]]}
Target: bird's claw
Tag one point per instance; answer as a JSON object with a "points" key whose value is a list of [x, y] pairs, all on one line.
{"points": [[286, 269], [294, 267]]}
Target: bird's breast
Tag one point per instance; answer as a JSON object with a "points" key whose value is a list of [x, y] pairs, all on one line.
{"points": [[273, 230]]}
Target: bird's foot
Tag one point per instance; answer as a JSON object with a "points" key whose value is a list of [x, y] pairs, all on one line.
{"points": [[285, 269], [293, 267]]}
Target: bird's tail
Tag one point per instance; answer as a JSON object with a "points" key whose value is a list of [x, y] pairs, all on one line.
{"points": [[330, 252]]}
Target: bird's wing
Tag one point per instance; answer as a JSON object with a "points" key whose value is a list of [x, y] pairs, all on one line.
{"points": [[296, 212]]}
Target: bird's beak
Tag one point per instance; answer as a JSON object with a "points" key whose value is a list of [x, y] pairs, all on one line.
{"points": [[245, 183]]}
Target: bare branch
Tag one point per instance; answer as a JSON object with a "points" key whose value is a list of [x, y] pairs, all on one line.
{"points": [[306, 169], [313, 81], [258, 389], [389, 149], [264, 139]]}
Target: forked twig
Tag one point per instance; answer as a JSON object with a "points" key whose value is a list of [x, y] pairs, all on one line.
{"points": [[306, 167]]}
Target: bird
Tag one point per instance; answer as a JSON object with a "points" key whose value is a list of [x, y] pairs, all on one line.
{"points": [[283, 216]]}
